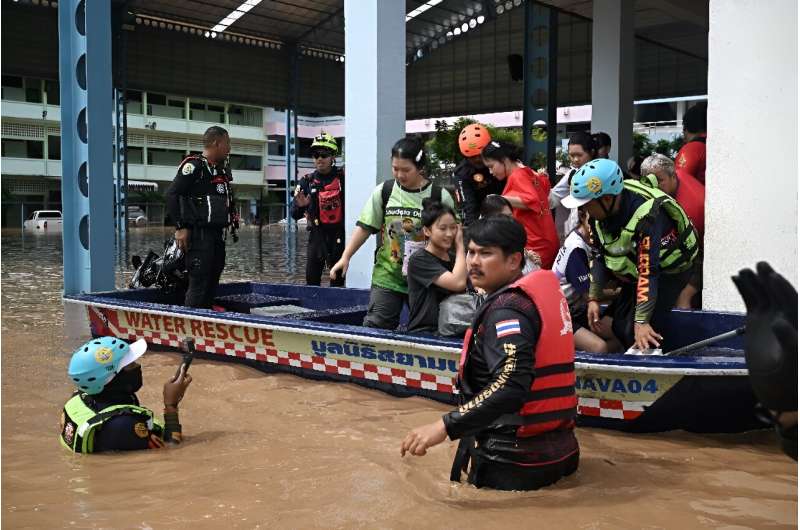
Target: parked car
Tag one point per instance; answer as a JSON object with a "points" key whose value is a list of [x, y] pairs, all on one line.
{"points": [[136, 216], [44, 221]]}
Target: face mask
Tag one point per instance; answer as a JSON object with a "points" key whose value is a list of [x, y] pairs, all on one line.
{"points": [[126, 382]]}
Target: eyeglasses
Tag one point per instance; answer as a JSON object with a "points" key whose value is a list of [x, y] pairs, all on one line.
{"points": [[320, 154]]}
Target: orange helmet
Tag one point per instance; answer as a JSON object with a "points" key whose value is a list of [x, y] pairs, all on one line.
{"points": [[472, 139]]}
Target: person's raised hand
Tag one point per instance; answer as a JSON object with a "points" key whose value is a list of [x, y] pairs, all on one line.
{"points": [[770, 336], [175, 387], [301, 199]]}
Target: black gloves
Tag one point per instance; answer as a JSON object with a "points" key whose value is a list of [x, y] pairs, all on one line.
{"points": [[771, 337]]}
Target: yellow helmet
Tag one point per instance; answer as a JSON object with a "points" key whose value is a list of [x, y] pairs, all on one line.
{"points": [[327, 141]]}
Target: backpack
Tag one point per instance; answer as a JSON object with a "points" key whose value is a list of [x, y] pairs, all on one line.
{"points": [[388, 186]]}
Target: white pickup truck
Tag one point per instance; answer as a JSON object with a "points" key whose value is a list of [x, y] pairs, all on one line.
{"points": [[44, 221]]}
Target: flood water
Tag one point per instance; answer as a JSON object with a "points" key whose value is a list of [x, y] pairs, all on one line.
{"points": [[279, 451]]}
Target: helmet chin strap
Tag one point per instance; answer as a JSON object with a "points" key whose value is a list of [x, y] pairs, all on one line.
{"points": [[607, 211]]}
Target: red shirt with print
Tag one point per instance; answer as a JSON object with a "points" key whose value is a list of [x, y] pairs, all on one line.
{"points": [[533, 189], [692, 159], [691, 195]]}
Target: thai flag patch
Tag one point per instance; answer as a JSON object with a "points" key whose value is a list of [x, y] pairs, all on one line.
{"points": [[507, 327]]}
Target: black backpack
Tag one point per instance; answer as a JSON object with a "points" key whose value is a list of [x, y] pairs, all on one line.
{"points": [[388, 186]]}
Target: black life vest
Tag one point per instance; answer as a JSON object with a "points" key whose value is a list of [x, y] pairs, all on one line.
{"points": [[210, 199]]}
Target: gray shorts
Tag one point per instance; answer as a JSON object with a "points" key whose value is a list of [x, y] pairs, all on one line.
{"points": [[384, 308]]}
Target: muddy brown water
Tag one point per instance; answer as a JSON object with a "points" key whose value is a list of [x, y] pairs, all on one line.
{"points": [[279, 451]]}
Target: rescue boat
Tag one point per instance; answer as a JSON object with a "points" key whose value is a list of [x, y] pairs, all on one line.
{"points": [[316, 332]]}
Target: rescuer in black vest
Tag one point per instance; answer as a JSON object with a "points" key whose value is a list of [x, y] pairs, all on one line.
{"points": [[516, 373], [200, 201], [319, 197]]}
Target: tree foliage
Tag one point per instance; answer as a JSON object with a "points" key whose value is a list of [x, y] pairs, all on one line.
{"points": [[644, 147]]}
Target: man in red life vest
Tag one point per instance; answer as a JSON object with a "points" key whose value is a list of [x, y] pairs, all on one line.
{"points": [[517, 378], [319, 197]]}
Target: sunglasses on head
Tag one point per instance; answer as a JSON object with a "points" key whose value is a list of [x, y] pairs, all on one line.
{"points": [[320, 154]]}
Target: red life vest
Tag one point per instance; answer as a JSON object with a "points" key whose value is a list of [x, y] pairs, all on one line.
{"points": [[329, 197], [552, 401]]}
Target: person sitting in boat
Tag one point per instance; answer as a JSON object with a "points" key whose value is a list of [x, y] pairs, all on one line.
{"points": [[319, 197], [528, 192], [104, 413], [572, 269], [517, 378], [435, 271], [499, 205], [645, 240], [393, 210], [771, 347]]}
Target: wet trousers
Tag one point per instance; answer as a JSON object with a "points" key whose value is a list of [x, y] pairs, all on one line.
{"points": [[325, 247], [205, 261]]}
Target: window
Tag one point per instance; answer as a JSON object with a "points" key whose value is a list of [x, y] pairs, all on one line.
{"points": [[33, 90], [53, 147], [13, 88], [161, 105], [207, 111], [241, 115], [304, 151], [23, 149], [134, 101], [246, 162], [135, 155], [164, 157], [276, 146], [53, 92]]}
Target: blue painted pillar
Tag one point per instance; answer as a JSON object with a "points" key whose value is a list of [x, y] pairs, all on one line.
{"points": [[86, 145], [375, 109], [540, 76]]}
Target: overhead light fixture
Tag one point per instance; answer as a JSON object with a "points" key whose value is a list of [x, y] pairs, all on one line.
{"points": [[235, 15], [421, 9]]}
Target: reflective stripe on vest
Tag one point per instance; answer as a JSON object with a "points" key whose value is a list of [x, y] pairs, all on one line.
{"points": [[81, 422], [552, 402], [619, 254]]}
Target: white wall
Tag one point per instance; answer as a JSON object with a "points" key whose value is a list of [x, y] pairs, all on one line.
{"points": [[752, 171], [375, 109]]}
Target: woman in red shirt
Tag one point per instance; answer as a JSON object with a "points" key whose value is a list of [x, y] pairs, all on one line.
{"points": [[528, 192]]}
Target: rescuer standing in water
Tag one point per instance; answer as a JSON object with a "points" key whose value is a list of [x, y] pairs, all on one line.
{"points": [[516, 375]]}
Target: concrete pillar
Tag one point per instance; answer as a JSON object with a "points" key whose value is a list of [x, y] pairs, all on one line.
{"points": [[751, 208], [612, 74], [680, 111], [375, 109]]}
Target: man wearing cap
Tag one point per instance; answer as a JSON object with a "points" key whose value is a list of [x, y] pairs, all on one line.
{"points": [[646, 242], [319, 197], [104, 413]]}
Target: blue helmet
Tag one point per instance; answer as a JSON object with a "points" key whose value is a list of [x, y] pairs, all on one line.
{"points": [[96, 363], [594, 179]]}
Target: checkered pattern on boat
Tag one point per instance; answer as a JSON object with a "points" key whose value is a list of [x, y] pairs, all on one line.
{"points": [[270, 354], [611, 408], [603, 408]]}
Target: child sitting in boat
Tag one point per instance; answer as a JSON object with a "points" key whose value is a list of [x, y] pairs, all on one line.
{"points": [[572, 269], [394, 211], [435, 272]]}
